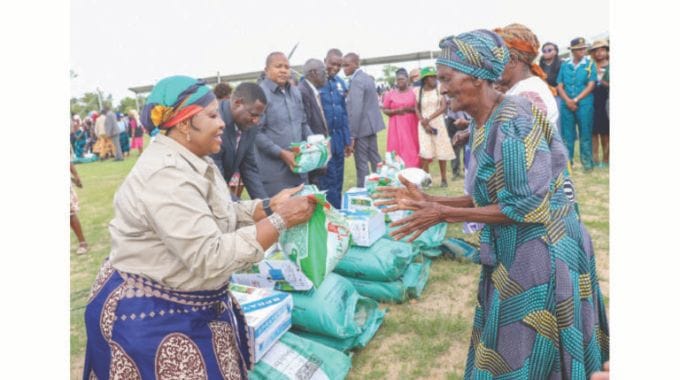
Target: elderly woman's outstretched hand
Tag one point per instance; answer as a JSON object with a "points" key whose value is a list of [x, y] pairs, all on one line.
{"points": [[395, 197], [425, 215]]}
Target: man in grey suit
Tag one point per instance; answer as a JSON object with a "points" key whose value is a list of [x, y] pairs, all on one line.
{"points": [[240, 114], [314, 79], [113, 131], [283, 123], [365, 119]]}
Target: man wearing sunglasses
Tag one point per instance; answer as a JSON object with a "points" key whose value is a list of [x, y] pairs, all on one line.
{"points": [[237, 159]]}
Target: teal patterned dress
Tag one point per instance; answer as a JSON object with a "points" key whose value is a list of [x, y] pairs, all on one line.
{"points": [[540, 312]]}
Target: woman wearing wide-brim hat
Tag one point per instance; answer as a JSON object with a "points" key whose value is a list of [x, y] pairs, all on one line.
{"points": [[433, 138], [600, 54], [575, 82]]}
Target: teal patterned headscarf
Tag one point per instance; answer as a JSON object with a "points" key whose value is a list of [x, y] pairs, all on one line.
{"points": [[480, 53], [174, 99]]}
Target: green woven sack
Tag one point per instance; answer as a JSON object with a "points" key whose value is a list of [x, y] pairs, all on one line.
{"points": [[385, 260], [461, 249], [433, 237], [334, 309], [374, 320], [391, 292], [431, 252], [297, 358], [415, 278]]}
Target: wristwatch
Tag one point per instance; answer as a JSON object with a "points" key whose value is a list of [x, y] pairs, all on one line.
{"points": [[265, 206]]}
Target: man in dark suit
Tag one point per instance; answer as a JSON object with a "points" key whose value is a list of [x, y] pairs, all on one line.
{"points": [[314, 79], [240, 114], [365, 119]]}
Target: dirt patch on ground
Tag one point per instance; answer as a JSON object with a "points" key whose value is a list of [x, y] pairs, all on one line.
{"points": [[383, 358], [453, 361], [451, 298]]}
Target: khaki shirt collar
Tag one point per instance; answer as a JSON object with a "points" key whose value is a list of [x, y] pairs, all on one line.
{"points": [[199, 164]]}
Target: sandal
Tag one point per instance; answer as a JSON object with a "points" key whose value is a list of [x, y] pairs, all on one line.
{"points": [[82, 249]]}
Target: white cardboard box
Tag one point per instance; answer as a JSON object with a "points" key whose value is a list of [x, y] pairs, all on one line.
{"points": [[356, 198], [268, 314], [366, 226]]}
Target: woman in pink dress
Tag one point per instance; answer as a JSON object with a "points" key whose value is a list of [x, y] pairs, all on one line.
{"points": [[402, 132], [136, 132]]}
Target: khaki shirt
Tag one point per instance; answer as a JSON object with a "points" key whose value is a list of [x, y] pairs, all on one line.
{"points": [[176, 224]]}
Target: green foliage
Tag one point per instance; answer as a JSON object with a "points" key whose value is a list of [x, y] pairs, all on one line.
{"points": [[126, 104], [388, 74], [86, 103], [89, 101]]}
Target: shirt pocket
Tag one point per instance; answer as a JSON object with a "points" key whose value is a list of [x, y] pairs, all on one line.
{"points": [[222, 212]]}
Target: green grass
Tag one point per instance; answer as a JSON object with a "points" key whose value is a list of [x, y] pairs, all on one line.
{"points": [[426, 339]]}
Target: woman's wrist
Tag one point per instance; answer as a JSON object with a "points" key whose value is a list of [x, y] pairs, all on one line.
{"points": [[277, 221]]}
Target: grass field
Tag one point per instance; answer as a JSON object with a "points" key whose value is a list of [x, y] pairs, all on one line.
{"points": [[423, 339]]}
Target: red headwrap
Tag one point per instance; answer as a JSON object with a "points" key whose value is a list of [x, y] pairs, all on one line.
{"points": [[521, 41]]}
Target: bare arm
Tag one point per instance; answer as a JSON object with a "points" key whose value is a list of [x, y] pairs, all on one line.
{"points": [[427, 214], [490, 214], [75, 176], [395, 197], [464, 201], [390, 112], [418, 114]]}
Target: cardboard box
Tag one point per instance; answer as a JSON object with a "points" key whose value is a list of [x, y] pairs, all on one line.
{"points": [[268, 314], [366, 225], [276, 271], [357, 198]]}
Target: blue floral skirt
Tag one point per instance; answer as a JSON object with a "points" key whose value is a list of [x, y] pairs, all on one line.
{"points": [[138, 329]]}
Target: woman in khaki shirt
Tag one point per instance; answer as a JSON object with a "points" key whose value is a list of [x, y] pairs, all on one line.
{"points": [[160, 305]]}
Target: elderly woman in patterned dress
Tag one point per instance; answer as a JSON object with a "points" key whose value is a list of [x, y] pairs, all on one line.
{"points": [[539, 313], [160, 306]]}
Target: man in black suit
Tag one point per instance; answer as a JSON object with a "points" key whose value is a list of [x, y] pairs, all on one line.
{"points": [[240, 114], [314, 78]]}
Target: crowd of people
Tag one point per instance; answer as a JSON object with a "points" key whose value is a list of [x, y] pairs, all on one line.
{"points": [[579, 85], [106, 135], [180, 229]]}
